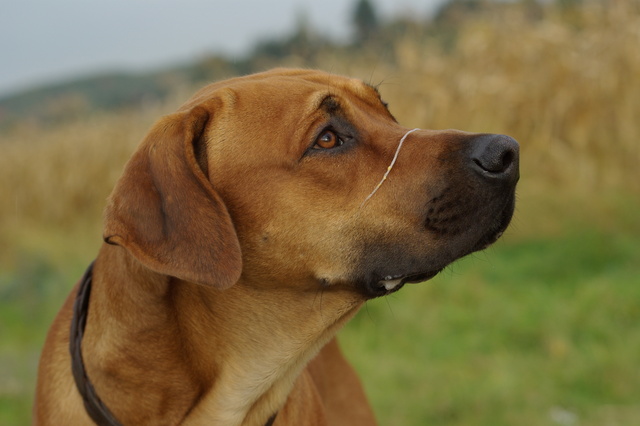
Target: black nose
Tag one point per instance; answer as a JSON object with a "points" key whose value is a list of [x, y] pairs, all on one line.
{"points": [[496, 157]]}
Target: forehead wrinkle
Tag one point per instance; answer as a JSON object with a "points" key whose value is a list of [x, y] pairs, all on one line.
{"points": [[330, 105], [334, 104], [335, 85], [342, 95], [370, 95]]}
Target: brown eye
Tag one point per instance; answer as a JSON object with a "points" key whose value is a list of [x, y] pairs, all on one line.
{"points": [[327, 140]]}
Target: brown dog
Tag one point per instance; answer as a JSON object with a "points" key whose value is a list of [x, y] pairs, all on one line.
{"points": [[247, 228]]}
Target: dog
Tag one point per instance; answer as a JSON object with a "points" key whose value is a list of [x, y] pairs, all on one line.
{"points": [[245, 230]]}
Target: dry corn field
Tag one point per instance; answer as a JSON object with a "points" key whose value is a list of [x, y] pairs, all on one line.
{"points": [[567, 87]]}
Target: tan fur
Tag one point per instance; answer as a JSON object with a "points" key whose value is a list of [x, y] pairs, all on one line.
{"points": [[234, 253]]}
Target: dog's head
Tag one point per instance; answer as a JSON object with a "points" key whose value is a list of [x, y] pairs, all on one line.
{"points": [[278, 178]]}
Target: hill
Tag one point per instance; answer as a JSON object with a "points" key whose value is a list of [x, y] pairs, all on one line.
{"points": [[110, 91]]}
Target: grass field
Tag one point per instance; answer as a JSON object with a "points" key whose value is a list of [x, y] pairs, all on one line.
{"points": [[541, 329], [537, 330]]}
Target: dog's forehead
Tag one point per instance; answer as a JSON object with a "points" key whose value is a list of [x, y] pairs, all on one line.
{"points": [[311, 85]]}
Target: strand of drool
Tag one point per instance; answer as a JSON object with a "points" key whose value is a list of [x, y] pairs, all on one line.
{"points": [[393, 161]]}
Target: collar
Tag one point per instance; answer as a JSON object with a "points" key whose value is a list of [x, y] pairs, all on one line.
{"points": [[96, 409], [92, 402]]}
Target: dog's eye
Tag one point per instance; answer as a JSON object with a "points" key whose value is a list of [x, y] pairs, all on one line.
{"points": [[328, 140]]}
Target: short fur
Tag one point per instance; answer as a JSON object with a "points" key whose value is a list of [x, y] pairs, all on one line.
{"points": [[236, 247]]}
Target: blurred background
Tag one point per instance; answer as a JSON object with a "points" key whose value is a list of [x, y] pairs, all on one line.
{"points": [[541, 329]]}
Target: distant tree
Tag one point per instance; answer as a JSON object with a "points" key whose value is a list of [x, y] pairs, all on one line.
{"points": [[303, 43], [365, 20], [303, 39], [452, 11]]}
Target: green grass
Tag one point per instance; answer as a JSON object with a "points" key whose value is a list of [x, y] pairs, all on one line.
{"points": [[537, 330], [31, 292], [534, 332]]}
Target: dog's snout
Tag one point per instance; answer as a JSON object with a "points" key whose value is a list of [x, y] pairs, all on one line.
{"points": [[495, 156]]}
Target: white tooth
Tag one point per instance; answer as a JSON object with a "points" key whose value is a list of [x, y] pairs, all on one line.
{"points": [[391, 284]]}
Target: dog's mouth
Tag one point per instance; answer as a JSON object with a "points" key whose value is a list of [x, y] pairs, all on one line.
{"points": [[390, 266], [386, 284], [389, 284]]}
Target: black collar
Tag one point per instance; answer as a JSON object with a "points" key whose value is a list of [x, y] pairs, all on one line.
{"points": [[92, 403]]}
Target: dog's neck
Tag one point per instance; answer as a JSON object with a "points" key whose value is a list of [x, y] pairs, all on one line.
{"points": [[228, 357], [268, 339]]}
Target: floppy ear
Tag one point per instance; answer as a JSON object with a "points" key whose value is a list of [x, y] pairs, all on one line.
{"points": [[165, 212]]}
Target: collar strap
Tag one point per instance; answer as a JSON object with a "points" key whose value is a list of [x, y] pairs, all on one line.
{"points": [[96, 409], [92, 403], [271, 420]]}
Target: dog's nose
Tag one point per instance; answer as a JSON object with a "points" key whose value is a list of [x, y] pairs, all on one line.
{"points": [[495, 157]]}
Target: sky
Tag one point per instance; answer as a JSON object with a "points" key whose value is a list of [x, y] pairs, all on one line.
{"points": [[43, 41]]}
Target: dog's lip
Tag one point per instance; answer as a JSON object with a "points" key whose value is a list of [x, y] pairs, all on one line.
{"points": [[394, 282], [500, 228], [418, 278]]}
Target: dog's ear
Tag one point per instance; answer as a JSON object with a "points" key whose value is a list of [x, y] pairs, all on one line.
{"points": [[165, 211]]}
